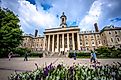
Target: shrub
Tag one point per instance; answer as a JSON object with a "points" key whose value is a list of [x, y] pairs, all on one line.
{"points": [[33, 54], [80, 55], [108, 52], [21, 51]]}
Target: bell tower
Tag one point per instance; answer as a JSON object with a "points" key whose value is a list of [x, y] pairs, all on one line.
{"points": [[63, 20]]}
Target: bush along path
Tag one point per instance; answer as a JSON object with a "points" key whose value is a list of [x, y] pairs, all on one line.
{"points": [[75, 72]]}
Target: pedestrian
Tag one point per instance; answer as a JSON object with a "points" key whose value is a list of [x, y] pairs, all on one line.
{"points": [[63, 52], [74, 55], [10, 55], [25, 57], [93, 57]]}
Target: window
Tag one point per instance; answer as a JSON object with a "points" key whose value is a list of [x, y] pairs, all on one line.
{"points": [[80, 43], [80, 39], [99, 42], [98, 36], [104, 41], [86, 43], [85, 36], [87, 49], [109, 32], [118, 39], [111, 39], [115, 32], [62, 19], [42, 39], [92, 42], [102, 34], [91, 36]]}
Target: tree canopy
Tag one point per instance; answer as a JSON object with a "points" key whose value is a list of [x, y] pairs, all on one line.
{"points": [[10, 32]]}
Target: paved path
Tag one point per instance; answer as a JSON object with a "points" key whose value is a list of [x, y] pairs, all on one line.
{"points": [[18, 64]]}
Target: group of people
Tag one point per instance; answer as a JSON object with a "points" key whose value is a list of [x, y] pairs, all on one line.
{"points": [[11, 54], [93, 58]]}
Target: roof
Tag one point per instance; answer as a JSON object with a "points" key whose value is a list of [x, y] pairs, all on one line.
{"points": [[109, 28], [32, 36], [71, 28], [89, 32]]}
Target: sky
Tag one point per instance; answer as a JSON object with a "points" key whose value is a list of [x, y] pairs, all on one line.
{"points": [[43, 14]]}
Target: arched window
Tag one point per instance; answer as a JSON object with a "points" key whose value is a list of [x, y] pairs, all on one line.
{"points": [[118, 39], [111, 39], [62, 19], [109, 32]]}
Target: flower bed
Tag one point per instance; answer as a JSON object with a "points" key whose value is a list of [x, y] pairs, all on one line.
{"points": [[76, 72]]}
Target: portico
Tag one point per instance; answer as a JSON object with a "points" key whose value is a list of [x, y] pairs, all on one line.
{"points": [[61, 41], [63, 38]]}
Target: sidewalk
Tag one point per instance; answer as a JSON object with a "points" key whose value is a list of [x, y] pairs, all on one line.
{"points": [[18, 64]]}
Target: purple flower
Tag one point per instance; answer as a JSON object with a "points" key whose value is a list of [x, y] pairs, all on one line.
{"points": [[50, 67], [46, 71]]}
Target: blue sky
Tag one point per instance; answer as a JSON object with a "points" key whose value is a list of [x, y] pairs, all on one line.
{"points": [[41, 14]]}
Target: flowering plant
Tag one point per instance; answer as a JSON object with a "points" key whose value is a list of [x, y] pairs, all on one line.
{"points": [[75, 72]]}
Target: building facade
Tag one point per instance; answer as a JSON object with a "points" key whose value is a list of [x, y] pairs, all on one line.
{"points": [[67, 38], [35, 43], [111, 36]]}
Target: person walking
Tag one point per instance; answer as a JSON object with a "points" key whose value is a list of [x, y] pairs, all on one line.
{"points": [[74, 55], [25, 57], [10, 55], [93, 57]]}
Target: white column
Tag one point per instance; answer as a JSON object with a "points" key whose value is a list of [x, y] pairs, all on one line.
{"points": [[63, 42], [48, 42], [73, 41], [57, 42], [53, 44], [44, 43], [78, 41], [68, 41]]}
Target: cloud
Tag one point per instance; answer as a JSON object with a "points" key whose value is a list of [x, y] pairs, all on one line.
{"points": [[32, 2], [45, 13], [115, 19], [73, 10], [111, 8], [30, 18], [41, 14], [93, 16]]}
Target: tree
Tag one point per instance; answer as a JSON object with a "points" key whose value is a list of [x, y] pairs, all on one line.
{"points": [[10, 32]]}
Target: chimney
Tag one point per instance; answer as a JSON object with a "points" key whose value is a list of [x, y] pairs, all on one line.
{"points": [[96, 27], [36, 31]]}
